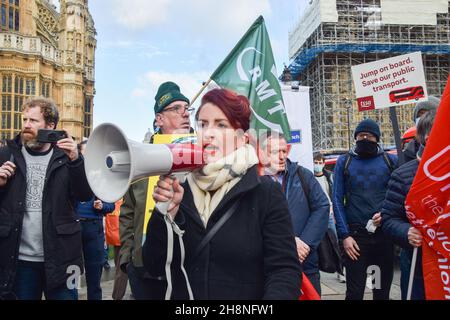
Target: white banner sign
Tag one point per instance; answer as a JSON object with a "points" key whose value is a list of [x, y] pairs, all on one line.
{"points": [[299, 116], [390, 82]]}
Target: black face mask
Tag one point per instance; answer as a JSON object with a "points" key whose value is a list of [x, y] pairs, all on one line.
{"points": [[366, 148]]}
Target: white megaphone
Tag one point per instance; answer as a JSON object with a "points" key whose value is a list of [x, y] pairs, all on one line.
{"points": [[112, 162]]}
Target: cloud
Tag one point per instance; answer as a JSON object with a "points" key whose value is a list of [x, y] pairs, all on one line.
{"points": [[138, 14], [225, 17], [148, 84], [219, 18], [132, 48]]}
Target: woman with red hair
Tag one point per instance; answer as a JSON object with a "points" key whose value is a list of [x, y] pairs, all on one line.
{"points": [[249, 251]]}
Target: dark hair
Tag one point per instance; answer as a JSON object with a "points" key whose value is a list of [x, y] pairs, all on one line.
{"points": [[318, 156], [235, 107], [425, 125], [48, 109]]}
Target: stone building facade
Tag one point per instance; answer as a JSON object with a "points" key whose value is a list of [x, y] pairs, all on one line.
{"points": [[49, 53]]}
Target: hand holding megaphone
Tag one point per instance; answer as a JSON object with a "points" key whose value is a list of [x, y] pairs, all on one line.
{"points": [[168, 195]]}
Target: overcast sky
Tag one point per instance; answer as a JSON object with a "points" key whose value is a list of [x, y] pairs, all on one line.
{"points": [[143, 43]]}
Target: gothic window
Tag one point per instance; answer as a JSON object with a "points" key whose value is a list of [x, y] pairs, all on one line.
{"points": [[7, 84], [6, 103], [16, 19], [87, 105], [45, 89], [17, 121], [3, 17], [6, 120], [30, 87], [15, 89], [6, 92], [87, 116], [10, 15], [19, 91], [11, 18]]}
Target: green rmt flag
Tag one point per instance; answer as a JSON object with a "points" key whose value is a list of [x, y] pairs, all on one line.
{"points": [[250, 70]]}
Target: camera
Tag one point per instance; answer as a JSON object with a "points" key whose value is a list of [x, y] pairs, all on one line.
{"points": [[50, 136]]}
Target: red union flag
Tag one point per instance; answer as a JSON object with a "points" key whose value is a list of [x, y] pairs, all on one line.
{"points": [[428, 205]]}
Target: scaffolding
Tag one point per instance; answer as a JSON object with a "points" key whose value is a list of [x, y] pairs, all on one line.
{"points": [[322, 59]]}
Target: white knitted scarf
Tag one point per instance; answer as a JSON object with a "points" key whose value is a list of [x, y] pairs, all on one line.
{"points": [[220, 176]]}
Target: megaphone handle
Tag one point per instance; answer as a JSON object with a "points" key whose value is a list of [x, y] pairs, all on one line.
{"points": [[163, 207]]}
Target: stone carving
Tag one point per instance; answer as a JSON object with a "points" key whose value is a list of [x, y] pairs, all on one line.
{"points": [[74, 17], [33, 45], [7, 41], [19, 43], [48, 19], [69, 41]]}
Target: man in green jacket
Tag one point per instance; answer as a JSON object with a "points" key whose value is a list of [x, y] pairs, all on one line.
{"points": [[172, 113]]}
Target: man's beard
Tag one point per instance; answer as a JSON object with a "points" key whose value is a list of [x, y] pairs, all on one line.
{"points": [[32, 143]]}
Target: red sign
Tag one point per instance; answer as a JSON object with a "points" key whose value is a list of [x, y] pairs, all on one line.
{"points": [[428, 205], [366, 103]]}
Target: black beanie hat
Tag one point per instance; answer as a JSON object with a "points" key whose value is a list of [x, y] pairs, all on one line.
{"points": [[368, 125], [168, 92]]}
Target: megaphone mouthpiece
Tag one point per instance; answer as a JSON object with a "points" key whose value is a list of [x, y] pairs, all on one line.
{"points": [[118, 161]]}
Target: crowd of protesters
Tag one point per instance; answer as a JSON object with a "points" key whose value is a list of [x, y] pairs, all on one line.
{"points": [[250, 224]]}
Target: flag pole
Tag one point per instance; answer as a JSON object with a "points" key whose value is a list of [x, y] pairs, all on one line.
{"points": [[201, 90], [411, 275]]}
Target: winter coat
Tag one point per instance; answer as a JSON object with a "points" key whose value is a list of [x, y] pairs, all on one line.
{"points": [[65, 184], [394, 222], [309, 214], [410, 151], [252, 256]]}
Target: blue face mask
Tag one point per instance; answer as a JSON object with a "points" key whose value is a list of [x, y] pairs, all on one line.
{"points": [[417, 121], [318, 168]]}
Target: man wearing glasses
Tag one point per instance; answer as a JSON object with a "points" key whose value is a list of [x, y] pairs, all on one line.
{"points": [[360, 182], [172, 110], [172, 113]]}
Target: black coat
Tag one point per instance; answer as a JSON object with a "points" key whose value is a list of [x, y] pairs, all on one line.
{"points": [[394, 222], [253, 255], [410, 150], [65, 184]]}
